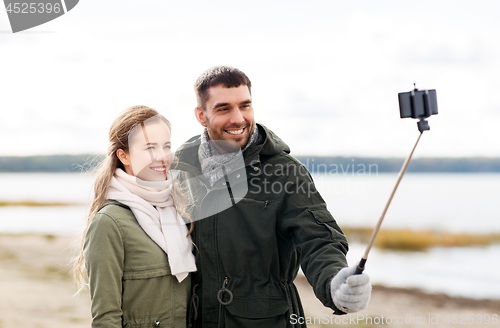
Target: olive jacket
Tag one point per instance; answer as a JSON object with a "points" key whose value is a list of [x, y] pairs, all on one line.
{"points": [[129, 276], [253, 229]]}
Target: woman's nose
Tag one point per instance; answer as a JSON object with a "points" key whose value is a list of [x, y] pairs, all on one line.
{"points": [[162, 155]]}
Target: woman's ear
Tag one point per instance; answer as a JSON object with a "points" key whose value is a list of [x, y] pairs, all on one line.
{"points": [[123, 156]]}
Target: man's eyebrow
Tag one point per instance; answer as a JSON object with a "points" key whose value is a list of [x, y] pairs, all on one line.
{"points": [[244, 102], [217, 105]]}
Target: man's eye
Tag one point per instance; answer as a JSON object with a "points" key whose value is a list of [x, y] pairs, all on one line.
{"points": [[150, 148]]}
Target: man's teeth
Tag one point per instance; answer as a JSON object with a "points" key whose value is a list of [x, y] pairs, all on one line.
{"points": [[240, 131], [159, 169]]}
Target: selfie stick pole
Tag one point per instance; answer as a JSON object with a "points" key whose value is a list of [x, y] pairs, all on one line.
{"points": [[416, 104], [361, 265]]}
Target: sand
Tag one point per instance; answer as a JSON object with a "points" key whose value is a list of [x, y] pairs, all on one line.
{"points": [[36, 290]]}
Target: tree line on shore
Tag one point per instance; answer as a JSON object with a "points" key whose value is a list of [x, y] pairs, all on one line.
{"points": [[315, 164]]}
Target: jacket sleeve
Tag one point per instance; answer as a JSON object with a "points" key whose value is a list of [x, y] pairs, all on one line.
{"points": [[104, 256], [320, 243]]}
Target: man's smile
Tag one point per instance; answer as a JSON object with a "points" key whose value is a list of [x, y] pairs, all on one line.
{"points": [[236, 133]]}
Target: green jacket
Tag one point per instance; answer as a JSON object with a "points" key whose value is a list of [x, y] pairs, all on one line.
{"points": [[130, 280], [250, 244]]}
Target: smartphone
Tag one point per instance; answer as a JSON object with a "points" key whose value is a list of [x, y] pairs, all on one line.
{"points": [[418, 103]]}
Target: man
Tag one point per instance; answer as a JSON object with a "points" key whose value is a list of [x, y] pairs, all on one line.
{"points": [[257, 218]]}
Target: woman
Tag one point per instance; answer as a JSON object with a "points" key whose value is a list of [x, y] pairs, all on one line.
{"points": [[136, 248]]}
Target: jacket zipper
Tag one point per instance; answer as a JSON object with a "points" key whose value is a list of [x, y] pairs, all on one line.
{"points": [[226, 279], [265, 202], [221, 295]]}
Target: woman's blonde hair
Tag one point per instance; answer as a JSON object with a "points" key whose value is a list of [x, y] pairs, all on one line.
{"points": [[119, 133]]}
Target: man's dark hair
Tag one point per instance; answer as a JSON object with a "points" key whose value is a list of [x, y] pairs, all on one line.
{"points": [[229, 77]]}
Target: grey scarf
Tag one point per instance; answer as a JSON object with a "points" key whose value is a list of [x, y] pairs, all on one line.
{"points": [[215, 165]]}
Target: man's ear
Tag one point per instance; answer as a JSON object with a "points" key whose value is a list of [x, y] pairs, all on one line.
{"points": [[200, 115], [123, 157]]}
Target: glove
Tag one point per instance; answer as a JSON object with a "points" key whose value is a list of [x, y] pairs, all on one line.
{"points": [[350, 292]]}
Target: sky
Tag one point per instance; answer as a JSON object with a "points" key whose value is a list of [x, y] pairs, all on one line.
{"points": [[325, 74]]}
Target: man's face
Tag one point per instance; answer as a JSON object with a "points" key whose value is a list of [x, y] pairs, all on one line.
{"points": [[228, 116]]}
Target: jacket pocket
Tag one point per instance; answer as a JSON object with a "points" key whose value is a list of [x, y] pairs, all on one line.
{"points": [[146, 322], [257, 203], [147, 272], [154, 295], [325, 219], [255, 308], [321, 217], [256, 312]]}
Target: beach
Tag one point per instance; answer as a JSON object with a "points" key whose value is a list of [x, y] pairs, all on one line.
{"points": [[37, 290]]}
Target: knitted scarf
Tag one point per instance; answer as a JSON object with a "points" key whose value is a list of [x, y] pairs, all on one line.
{"points": [[153, 207], [214, 164]]}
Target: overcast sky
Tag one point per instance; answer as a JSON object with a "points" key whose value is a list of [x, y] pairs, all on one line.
{"points": [[325, 74]]}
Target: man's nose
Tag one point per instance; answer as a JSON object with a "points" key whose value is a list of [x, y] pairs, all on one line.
{"points": [[236, 116]]}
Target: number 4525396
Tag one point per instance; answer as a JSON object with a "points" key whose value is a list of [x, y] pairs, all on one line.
{"points": [[33, 8], [464, 319]]}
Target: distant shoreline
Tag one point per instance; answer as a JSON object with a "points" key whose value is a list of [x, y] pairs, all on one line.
{"points": [[315, 164]]}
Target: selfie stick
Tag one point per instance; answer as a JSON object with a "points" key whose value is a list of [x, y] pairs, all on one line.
{"points": [[415, 104], [361, 265]]}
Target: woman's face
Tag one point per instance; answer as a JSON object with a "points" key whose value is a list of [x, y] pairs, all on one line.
{"points": [[149, 156]]}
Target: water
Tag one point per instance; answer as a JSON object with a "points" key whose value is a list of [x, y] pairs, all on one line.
{"points": [[54, 220], [459, 271], [45, 187], [441, 202]]}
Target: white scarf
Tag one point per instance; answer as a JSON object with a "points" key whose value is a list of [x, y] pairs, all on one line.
{"points": [[162, 224]]}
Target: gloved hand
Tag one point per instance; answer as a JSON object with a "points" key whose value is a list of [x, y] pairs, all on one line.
{"points": [[349, 292]]}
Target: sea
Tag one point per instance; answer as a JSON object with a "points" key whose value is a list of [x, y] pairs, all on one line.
{"points": [[424, 201]]}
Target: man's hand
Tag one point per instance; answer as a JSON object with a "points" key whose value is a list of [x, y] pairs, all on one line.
{"points": [[350, 292]]}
